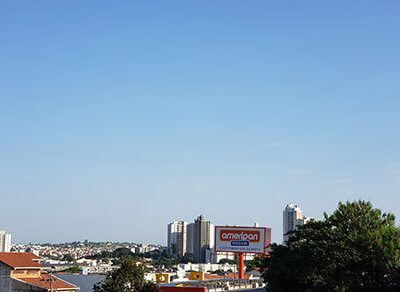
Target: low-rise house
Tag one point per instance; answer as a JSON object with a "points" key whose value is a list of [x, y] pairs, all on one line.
{"points": [[23, 272]]}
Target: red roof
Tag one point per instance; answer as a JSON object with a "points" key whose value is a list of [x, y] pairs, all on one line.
{"points": [[44, 282], [20, 259], [213, 277], [226, 276], [236, 276]]}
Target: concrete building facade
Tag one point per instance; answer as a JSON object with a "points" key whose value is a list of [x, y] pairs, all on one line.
{"points": [[292, 218], [190, 240], [177, 238], [203, 238], [5, 241]]}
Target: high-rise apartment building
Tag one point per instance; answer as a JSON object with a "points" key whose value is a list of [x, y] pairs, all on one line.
{"points": [[190, 240], [292, 217], [203, 238], [177, 238], [5, 241]]}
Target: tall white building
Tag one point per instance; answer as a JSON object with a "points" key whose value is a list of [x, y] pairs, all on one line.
{"points": [[5, 241], [292, 217], [191, 240], [177, 237]]}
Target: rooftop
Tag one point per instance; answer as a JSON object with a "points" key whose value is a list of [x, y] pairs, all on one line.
{"points": [[20, 259], [44, 282]]}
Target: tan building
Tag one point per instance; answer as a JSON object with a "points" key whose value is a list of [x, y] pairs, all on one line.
{"points": [[292, 218], [23, 272]]}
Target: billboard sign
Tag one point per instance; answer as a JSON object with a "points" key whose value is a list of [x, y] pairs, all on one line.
{"points": [[240, 239]]}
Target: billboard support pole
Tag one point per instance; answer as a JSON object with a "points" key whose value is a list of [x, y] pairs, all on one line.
{"points": [[241, 265], [241, 240]]}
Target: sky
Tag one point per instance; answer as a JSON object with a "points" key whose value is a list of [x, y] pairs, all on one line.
{"points": [[117, 117]]}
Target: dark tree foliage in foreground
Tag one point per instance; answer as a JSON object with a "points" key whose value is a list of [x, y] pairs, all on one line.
{"points": [[357, 248], [255, 263], [128, 278]]}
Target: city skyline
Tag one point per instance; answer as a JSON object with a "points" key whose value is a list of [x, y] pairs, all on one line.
{"points": [[118, 118]]}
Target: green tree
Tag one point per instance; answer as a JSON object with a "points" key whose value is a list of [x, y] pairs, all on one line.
{"points": [[166, 260], [186, 259], [73, 270], [68, 258], [357, 248], [122, 252], [128, 278], [255, 263]]}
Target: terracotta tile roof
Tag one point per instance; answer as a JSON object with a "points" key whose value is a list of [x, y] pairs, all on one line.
{"points": [[44, 282], [236, 276], [226, 276], [20, 259], [213, 277]]}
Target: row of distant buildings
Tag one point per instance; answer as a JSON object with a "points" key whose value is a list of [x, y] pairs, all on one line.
{"points": [[193, 239], [196, 240]]}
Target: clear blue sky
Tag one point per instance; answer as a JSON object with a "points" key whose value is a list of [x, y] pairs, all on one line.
{"points": [[117, 117]]}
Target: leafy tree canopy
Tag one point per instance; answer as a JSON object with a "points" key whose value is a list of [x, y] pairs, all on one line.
{"points": [[255, 263], [128, 278], [73, 270], [122, 252], [357, 248], [68, 258]]}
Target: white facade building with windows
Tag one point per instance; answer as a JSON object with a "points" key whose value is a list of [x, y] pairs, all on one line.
{"points": [[292, 217], [177, 237], [5, 241]]}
